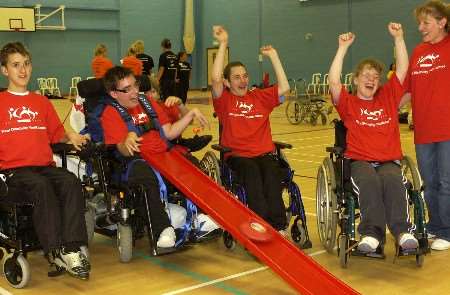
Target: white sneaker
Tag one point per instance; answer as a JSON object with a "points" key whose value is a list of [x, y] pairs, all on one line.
{"points": [[74, 263], [407, 241], [368, 244], [167, 238], [440, 244]]}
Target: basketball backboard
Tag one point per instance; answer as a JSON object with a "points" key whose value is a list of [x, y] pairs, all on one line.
{"points": [[17, 19]]}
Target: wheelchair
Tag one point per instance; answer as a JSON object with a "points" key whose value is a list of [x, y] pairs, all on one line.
{"points": [[337, 205], [305, 107], [17, 234], [221, 173], [114, 203]]}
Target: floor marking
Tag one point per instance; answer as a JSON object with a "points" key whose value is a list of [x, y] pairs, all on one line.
{"points": [[241, 274], [4, 292]]}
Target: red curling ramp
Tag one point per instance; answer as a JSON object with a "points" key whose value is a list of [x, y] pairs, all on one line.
{"points": [[299, 270]]}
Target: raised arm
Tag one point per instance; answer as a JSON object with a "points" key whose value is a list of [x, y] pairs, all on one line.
{"points": [[282, 81], [221, 35], [334, 75], [401, 53]]}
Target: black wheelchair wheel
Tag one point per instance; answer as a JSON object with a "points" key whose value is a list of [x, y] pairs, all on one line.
{"points": [[125, 242], [298, 233], [210, 166], [228, 241], [343, 254], [326, 205], [17, 271], [294, 112]]}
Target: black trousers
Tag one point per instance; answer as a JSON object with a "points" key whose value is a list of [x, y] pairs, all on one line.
{"points": [[142, 174], [261, 177], [167, 88], [182, 91], [59, 205], [383, 199]]}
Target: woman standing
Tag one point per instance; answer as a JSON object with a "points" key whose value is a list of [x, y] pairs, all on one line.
{"points": [[427, 82], [167, 69], [183, 76]]}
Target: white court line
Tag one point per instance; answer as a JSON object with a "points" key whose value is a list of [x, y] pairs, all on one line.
{"points": [[4, 292], [241, 274]]}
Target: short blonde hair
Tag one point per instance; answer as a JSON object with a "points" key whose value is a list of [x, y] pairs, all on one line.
{"points": [[138, 46], [435, 8], [100, 49]]}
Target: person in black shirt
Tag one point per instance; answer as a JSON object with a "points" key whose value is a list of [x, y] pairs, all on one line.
{"points": [[167, 69], [183, 76], [147, 60]]}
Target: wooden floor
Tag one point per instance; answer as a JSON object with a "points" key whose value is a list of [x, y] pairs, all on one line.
{"points": [[209, 268]]}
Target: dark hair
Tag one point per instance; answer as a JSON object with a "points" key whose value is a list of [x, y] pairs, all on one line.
{"points": [[11, 48], [114, 75], [165, 43], [144, 83], [436, 8], [180, 54], [227, 70]]}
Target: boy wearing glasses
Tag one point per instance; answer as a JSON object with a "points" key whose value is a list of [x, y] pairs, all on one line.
{"points": [[29, 125], [373, 143], [148, 132]]}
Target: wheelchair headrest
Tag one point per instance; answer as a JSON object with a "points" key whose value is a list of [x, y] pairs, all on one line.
{"points": [[144, 83], [91, 88]]}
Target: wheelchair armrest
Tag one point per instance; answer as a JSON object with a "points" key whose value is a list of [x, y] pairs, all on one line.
{"points": [[220, 148], [335, 150], [62, 148], [282, 145]]}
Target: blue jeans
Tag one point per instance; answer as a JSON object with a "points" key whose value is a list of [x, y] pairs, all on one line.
{"points": [[434, 166]]}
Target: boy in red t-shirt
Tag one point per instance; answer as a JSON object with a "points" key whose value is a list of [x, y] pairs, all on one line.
{"points": [[121, 85], [29, 125], [244, 116], [373, 143]]}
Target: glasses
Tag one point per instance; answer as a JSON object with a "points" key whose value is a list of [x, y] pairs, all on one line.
{"points": [[128, 89], [370, 77]]}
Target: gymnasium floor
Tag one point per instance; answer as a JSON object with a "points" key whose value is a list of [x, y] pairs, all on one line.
{"points": [[209, 268]]}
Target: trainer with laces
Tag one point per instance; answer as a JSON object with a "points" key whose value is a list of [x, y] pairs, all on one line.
{"points": [[373, 143], [29, 125]]}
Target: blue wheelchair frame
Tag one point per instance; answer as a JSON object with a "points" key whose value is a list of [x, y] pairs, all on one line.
{"points": [[223, 175]]}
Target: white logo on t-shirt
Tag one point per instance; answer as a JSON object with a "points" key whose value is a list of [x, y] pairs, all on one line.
{"points": [[427, 60], [244, 108], [23, 114], [139, 119]]}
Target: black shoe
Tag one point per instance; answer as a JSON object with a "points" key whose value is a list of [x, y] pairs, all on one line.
{"points": [[195, 143], [75, 263]]}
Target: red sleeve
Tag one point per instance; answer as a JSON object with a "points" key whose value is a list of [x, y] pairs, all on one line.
{"points": [[114, 128], [162, 116], [269, 97], [219, 103], [55, 128], [342, 105]]}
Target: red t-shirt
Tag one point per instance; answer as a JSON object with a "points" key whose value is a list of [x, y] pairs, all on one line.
{"points": [[100, 65], [245, 121], [134, 64], [428, 81], [172, 112], [29, 124], [372, 125], [115, 130]]}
